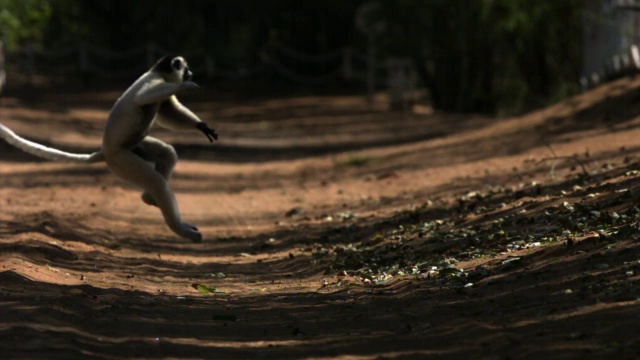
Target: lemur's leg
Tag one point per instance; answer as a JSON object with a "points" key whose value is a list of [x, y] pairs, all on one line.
{"points": [[134, 168], [162, 155]]}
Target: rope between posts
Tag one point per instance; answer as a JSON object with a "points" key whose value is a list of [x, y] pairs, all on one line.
{"points": [[50, 54], [240, 73], [365, 59], [95, 59], [100, 71], [105, 53], [315, 58], [296, 77]]}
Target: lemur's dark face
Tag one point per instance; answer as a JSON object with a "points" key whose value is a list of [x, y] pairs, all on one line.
{"points": [[173, 69], [186, 74]]}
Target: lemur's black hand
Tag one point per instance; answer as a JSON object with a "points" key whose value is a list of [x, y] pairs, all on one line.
{"points": [[207, 131]]}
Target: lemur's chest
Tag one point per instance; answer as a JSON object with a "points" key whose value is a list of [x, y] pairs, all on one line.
{"points": [[128, 125], [147, 114]]}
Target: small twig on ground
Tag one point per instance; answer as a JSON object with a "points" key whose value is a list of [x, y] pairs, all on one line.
{"points": [[556, 157], [550, 149]]}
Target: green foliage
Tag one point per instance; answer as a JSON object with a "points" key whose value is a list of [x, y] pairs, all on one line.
{"points": [[355, 160], [206, 289], [23, 21], [490, 55]]}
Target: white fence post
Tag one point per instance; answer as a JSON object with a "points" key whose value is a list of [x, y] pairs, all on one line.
{"points": [[635, 56], [400, 82]]}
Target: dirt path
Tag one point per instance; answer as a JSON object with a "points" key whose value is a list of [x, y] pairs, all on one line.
{"points": [[331, 231]]}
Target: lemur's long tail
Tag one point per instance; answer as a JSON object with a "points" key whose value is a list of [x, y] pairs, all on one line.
{"points": [[47, 152]]}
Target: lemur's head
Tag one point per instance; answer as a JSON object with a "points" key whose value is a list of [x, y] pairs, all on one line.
{"points": [[173, 68]]}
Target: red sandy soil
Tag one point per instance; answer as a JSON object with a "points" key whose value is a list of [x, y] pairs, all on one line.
{"points": [[330, 231]]}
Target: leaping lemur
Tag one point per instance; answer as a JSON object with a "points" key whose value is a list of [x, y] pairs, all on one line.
{"points": [[128, 150]]}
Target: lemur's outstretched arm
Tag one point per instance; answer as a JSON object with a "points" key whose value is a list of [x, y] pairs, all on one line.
{"points": [[175, 116]]}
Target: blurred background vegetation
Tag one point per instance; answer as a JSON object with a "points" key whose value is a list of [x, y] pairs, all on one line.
{"points": [[485, 56]]}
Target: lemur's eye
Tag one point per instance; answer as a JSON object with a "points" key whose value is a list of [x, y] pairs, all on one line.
{"points": [[176, 64]]}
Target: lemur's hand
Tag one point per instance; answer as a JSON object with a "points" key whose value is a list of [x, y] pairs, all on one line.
{"points": [[207, 131]]}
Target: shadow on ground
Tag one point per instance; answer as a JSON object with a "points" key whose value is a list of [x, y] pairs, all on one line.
{"points": [[492, 266]]}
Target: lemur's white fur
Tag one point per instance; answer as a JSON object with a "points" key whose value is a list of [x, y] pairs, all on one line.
{"points": [[127, 149], [47, 152]]}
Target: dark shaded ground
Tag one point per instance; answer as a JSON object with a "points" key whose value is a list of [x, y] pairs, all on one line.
{"points": [[331, 231]]}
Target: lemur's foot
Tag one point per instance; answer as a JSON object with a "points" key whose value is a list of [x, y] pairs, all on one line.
{"points": [[190, 232]]}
